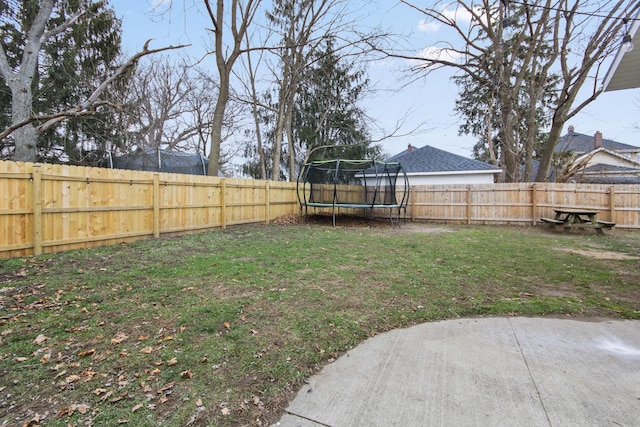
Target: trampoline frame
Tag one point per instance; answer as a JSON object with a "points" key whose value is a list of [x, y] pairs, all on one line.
{"points": [[376, 171]]}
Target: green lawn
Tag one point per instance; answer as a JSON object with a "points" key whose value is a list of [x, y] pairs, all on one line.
{"points": [[221, 328]]}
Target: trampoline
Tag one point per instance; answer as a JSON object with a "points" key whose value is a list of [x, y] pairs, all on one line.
{"points": [[365, 185]]}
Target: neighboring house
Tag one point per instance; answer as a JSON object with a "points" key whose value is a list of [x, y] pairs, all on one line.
{"points": [[594, 159], [429, 165]]}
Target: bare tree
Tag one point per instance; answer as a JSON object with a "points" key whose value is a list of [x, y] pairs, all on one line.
{"points": [[302, 26], [240, 17], [171, 104], [581, 34], [25, 125]]}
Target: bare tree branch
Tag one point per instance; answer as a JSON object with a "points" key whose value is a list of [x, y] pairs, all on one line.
{"points": [[88, 106]]}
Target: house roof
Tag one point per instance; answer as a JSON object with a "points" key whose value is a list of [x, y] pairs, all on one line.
{"points": [[580, 143], [623, 73], [610, 153], [429, 159]]}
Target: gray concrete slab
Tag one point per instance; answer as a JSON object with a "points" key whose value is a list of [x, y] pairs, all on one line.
{"points": [[481, 372]]}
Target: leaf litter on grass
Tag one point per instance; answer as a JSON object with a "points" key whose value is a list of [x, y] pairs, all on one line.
{"points": [[221, 328]]}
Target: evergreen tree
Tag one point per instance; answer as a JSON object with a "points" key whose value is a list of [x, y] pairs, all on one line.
{"points": [[328, 111], [79, 47]]}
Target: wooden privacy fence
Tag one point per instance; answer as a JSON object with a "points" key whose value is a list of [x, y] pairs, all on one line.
{"points": [[523, 203], [52, 208]]}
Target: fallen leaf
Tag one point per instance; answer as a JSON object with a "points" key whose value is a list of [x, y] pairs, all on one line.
{"points": [[135, 408], [227, 325], [172, 362], [163, 400], [72, 379], [67, 410], [82, 408], [169, 338], [119, 338], [186, 374], [21, 359], [40, 339], [225, 411], [5, 333], [87, 353], [106, 396], [142, 337], [34, 422], [99, 391], [146, 350], [166, 387], [45, 358], [199, 402]]}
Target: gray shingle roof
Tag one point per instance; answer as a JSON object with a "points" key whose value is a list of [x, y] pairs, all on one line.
{"points": [[430, 159], [581, 143]]}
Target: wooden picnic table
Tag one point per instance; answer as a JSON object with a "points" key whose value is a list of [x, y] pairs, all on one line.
{"points": [[578, 218]]}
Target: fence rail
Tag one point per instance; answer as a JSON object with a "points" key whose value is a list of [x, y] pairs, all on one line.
{"points": [[52, 208], [523, 203]]}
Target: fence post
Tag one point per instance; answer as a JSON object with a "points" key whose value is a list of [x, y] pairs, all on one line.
{"points": [[612, 203], [267, 207], [223, 206], [412, 199], [37, 209], [534, 204], [468, 204], [156, 205]]}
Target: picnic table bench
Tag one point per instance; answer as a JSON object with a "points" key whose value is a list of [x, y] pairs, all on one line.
{"points": [[577, 218]]}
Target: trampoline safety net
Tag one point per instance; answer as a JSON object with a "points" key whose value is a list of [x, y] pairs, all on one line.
{"points": [[353, 184]]}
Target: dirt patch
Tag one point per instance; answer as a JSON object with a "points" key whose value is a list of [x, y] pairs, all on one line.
{"points": [[351, 221], [599, 254]]}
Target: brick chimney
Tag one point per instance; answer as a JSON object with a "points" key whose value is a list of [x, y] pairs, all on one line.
{"points": [[597, 139], [571, 128], [409, 148]]}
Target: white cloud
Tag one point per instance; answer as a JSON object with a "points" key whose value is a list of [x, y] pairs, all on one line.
{"points": [[439, 54], [457, 14], [428, 27]]}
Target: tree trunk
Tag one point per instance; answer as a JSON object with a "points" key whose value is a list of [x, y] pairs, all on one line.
{"points": [[547, 152], [26, 137], [277, 146], [216, 125]]}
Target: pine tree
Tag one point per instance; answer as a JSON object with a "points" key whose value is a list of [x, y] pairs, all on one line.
{"points": [[328, 108], [57, 53]]}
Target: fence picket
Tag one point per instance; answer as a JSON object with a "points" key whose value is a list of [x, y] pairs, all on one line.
{"points": [[49, 208]]}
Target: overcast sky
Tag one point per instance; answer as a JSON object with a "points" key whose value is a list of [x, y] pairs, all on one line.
{"points": [[429, 101]]}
